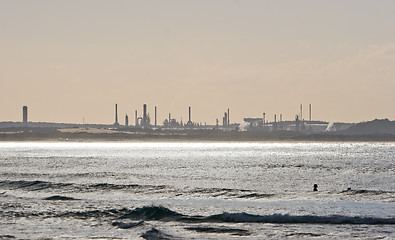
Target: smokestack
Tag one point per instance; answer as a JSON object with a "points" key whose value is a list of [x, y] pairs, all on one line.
{"points": [[281, 117], [24, 114], [189, 122], [301, 112], [126, 120], [264, 118], [225, 119], [228, 117], [137, 123], [275, 118], [144, 114], [116, 114], [310, 113], [169, 117], [155, 116]]}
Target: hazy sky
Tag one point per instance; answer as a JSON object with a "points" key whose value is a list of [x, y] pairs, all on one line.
{"points": [[69, 60]]}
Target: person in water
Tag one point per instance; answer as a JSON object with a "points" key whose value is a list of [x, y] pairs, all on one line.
{"points": [[315, 187]]}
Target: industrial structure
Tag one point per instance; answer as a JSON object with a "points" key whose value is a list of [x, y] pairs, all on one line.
{"points": [[260, 124], [24, 114], [116, 123], [144, 121], [155, 117], [189, 123], [297, 125], [225, 119]]}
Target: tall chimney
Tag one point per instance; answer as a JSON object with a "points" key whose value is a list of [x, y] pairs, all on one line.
{"points": [[116, 113], [301, 112], [310, 113], [169, 117], [144, 114], [189, 122], [155, 116], [264, 118], [137, 123], [25, 114], [228, 117], [225, 119]]}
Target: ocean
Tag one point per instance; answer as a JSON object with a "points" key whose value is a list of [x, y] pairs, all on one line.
{"points": [[156, 190]]}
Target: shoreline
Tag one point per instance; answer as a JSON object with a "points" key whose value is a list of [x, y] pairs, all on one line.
{"points": [[193, 138]]}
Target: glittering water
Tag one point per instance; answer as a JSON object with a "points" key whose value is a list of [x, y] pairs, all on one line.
{"points": [[197, 190]]}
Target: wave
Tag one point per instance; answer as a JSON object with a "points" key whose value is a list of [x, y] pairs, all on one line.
{"points": [[152, 213], [32, 185], [38, 185], [109, 186], [59, 198], [304, 235], [165, 214], [365, 192], [160, 213], [286, 218], [155, 234], [110, 213], [257, 195], [7, 237], [232, 231], [127, 225], [146, 213]]}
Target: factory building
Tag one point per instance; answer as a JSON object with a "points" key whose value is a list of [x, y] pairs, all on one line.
{"points": [[171, 123]]}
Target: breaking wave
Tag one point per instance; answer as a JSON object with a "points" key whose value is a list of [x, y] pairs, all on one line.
{"points": [[160, 213], [152, 213], [164, 214], [147, 213]]}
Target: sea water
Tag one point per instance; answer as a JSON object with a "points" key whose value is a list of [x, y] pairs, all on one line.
{"points": [[197, 190]]}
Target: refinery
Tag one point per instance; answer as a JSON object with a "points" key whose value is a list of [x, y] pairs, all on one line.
{"points": [[147, 126], [298, 124], [144, 122]]}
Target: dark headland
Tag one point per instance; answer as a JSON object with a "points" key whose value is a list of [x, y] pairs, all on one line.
{"points": [[376, 130]]}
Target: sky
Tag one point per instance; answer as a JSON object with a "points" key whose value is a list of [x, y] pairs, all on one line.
{"points": [[72, 61]]}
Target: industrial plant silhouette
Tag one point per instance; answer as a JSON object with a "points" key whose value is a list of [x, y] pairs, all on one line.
{"points": [[253, 128], [253, 124]]}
